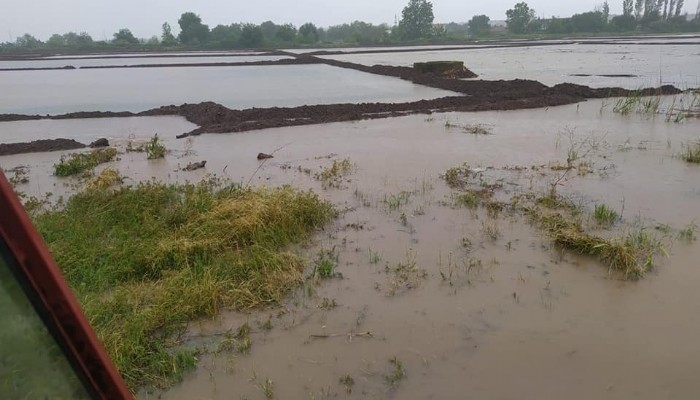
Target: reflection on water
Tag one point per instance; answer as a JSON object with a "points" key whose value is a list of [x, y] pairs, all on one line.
{"points": [[93, 62]]}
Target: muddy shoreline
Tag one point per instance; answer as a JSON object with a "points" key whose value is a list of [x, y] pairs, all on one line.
{"points": [[37, 146]]}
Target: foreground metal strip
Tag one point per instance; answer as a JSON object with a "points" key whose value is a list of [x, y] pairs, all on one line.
{"points": [[54, 301]]}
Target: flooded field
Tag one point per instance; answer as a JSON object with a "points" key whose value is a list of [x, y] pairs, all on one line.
{"points": [[236, 87], [583, 64], [441, 280]]}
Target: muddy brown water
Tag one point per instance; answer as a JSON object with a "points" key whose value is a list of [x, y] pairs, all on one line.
{"points": [[525, 321]]}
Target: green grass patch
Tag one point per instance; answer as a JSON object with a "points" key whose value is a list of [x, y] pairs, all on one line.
{"points": [[147, 259], [80, 162], [605, 215], [333, 176]]}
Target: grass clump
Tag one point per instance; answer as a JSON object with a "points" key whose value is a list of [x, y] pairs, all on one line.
{"points": [[154, 148], [81, 162], [605, 215], [632, 255], [691, 153], [145, 260], [457, 177], [106, 179], [332, 176]]}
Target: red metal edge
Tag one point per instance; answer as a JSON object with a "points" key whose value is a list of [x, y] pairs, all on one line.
{"points": [[46, 280]]}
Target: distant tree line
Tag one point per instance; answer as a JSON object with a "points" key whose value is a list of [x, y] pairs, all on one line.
{"points": [[657, 16], [417, 25]]}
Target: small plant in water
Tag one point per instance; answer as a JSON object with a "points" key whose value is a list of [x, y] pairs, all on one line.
{"points": [[605, 215], [348, 382], [155, 149], [397, 374], [688, 233], [691, 153]]}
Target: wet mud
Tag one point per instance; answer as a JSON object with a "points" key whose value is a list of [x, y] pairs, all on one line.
{"points": [[38, 146], [477, 95]]}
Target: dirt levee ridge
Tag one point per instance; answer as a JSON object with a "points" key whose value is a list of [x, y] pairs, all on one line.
{"points": [[7, 149]]}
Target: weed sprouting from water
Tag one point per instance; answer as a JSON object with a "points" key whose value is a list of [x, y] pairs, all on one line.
{"points": [[325, 265], [397, 374], [348, 382], [605, 215], [457, 177], [145, 260], [332, 176], [374, 257], [691, 153], [396, 201], [154, 148], [81, 162], [688, 233], [106, 179]]}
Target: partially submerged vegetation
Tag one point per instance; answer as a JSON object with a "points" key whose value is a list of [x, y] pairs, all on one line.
{"points": [[691, 153], [332, 177], [77, 163], [147, 259], [154, 148]]}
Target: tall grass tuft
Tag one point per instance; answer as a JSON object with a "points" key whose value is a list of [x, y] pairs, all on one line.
{"points": [[154, 148], [145, 260]]}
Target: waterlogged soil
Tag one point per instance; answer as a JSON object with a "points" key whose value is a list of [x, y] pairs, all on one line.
{"points": [[468, 305]]}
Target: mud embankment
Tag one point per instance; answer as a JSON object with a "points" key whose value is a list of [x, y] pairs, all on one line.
{"points": [[8, 149]]}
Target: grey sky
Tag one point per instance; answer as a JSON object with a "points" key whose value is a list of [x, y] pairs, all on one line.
{"points": [[144, 17]]}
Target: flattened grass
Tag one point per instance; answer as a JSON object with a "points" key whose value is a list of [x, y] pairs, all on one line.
{"points": [[147, 259]]}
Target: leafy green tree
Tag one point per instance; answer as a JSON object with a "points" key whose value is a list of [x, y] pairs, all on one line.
{"points": [[592, 21], [479, 25], [56, 40], [124, 38], [192, 30], [639, 9], [226, 35], [521, 19], [623, 23], [286, 33], [79, 41], [308, 33], [559, 25], [28, 41], [606, 12], [416, 20], [251, 36], [679, 7], [269, 30], [167, 38]]}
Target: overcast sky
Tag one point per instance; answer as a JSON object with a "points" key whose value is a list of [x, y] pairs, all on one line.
{"points": [[144, 17]]}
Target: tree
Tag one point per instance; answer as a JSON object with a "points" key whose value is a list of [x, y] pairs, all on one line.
{"points": [[251, 36], [226, 35], [479, 25], [28, 41], [308, 33], [639, 9], [627, 7], [606, 11], [286, 33], [167, 38], [269, 30], [591, 21], [192, 30], [124, 38], [623, 23], [679, 7], [416, 20], [56, 40], [520, 18]]}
